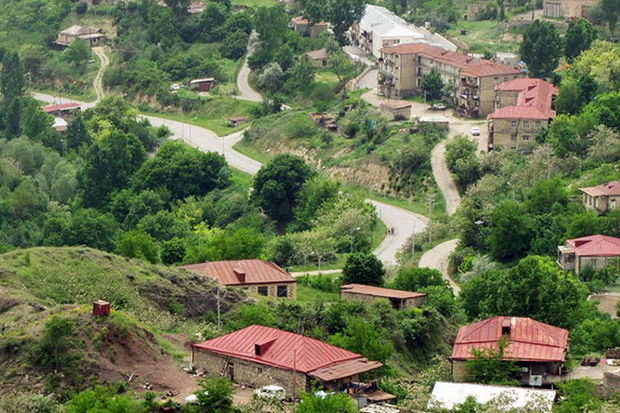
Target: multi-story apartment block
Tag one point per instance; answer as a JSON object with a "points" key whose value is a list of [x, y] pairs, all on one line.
{"points": [[471, 79], [523, 109]]}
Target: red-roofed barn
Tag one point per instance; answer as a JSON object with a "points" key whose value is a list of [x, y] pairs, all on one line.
{"points": [[539, 349], [523, 107], [257, 356], [258, 276], [400, 300], [594, 251]]}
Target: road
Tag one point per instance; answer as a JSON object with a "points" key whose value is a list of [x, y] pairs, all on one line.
{"points": [[438, 257], [98, 80], [245, 90]]}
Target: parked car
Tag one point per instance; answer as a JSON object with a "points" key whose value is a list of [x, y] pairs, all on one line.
{"points": [[475, 131], [438, 106], [270, 392]]}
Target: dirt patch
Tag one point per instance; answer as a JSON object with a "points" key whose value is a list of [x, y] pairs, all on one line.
{"points": [[367, 174], [607, 303]]}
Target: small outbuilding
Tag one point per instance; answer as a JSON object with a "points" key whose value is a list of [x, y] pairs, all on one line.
{"points": [[66, 111], [92, 35], [202, 85], [305, 28], [318, 57], [400, 300], [448, 396], [396, 109]]}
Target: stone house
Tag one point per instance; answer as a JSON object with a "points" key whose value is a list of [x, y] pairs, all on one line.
{"points": [[471, 79], [523, 107], [396, 109], [594, 251], [538, 349], [257, 356], [304, 27], [602, 197], [569, 9], [93, 36], [257, 276], [318, 57], [379, 27], [400, 300]]}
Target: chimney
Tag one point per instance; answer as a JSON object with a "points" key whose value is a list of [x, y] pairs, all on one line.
{"points": [[507, 326], [240, 274], [262, 347]]}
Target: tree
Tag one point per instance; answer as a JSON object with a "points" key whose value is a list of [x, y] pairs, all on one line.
{"points": [[541, 49], [302, 75], [215, 395], [332, 403], [432, 85], [77, 134], [609, 10], [342, 14], [545, 195], [55, 351], [510, 231], [109, 165], [579, 37], [78, 52], [578, 395], [361, 336], [489, 367], [272, 78], [277, 184], [414, 279], [271, 23], [235, 44], [363, 268], [12, 80], [104, 399], [341, 65], [569, 99], [136, 244], [183, 171], [211, 21]]}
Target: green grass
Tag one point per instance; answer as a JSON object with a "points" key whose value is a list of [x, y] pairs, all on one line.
{"points": [[212, 115], [483, 36], [251, 152], [307, 294]]}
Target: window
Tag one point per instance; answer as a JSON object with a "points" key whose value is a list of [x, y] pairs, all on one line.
{"points": [[538, 124], [263, 290], [513, 137], [513, 124], [282, 291], [526, 123], [526, 138]]}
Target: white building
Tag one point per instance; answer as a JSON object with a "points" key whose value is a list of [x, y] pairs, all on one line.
{"points": [[380, 28]]}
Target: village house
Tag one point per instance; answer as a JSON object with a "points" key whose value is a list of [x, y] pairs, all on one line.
{"points": [[305, 28], [400, 300], [318, 57], [202, 85], [67, 111], [538, 349], [379, 28], [257, 276], [594, 251], [602, 197], [569, 9], [473, 80], [523, 107], [93, 36], [396, 109], [257, 356]]}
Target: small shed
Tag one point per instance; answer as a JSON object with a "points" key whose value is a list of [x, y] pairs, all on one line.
{"points": [[437, 120], [399, 299], [396, 109], [235, 121], [318, 57], [66, 111], [202, 85], [101, 308]]}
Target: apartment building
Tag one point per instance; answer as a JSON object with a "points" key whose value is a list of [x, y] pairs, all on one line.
{"points": [[472, 79], [523, 107], [569, 9], [380, 28]]}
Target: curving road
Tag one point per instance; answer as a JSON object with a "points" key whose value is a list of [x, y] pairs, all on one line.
{"points": [[245, 90]]}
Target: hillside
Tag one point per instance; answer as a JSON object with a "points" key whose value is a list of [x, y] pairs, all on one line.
{"points": [[140, 339]]}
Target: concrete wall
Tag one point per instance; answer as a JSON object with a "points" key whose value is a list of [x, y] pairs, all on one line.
{"points": [[594, 262], [487, 91], [519, 134], [601, 203], [459, 370], [273, 289], [505, 98], [248, 373]]}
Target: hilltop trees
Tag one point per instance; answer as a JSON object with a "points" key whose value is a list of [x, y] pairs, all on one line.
{"points": [[541, 49], [579, 37]]}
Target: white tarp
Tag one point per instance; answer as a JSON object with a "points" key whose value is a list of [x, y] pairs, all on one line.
{"points": [[448, 395]]}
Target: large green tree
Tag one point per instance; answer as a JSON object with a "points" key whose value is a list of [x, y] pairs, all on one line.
{"points": [[332, 403], [363, 268], [541, 49], [432, 85], [510, 231], [109, 165], [579, 37], [277, 185], [12, 83]]}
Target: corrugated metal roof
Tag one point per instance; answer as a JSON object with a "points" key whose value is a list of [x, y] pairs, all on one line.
{"points": [[345, 369], [256, 272], [288, 351], [609, 189], [529, 340], [595, 246], [62, 106], [379, 292], [449, 395]]}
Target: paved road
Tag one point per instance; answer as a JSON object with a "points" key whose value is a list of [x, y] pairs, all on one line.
{"points": [[245, 90], [437, 258], [98, 80]]}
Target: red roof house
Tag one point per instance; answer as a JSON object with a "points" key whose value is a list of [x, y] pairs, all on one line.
{"points": [[538, 346], [63, 110], [259, 355], [262, 277], [534, 100], [594, 251], [602, 197], [399, 299]]}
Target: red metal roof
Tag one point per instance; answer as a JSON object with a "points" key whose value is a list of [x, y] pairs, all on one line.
{"points": [[255, 271], [533, 101], [471, 66], [319, 54], [595, 246], [281, 349], [60, 107], [529, 340], [609, 189], [379, 292]]}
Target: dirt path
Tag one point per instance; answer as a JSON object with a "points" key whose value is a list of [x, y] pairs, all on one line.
{"points": [[437, 258], [98, 80]]}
